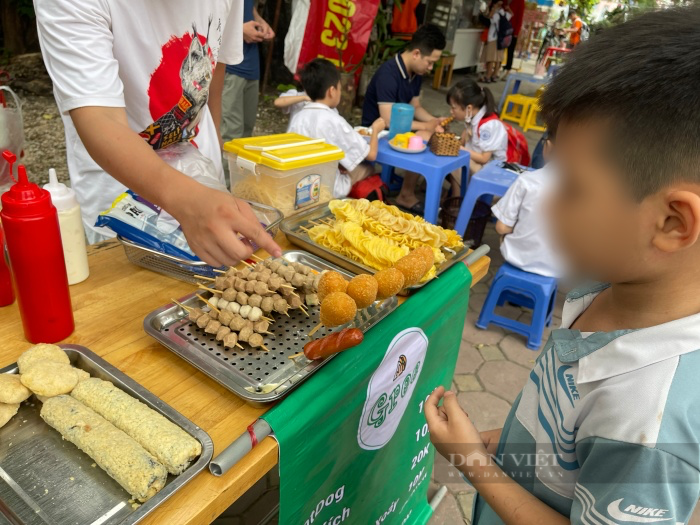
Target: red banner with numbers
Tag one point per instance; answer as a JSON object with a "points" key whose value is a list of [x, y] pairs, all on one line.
{"points": [[338, 30]]}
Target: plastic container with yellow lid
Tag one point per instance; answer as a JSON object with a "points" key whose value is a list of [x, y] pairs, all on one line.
{"points": [[287, 171]]}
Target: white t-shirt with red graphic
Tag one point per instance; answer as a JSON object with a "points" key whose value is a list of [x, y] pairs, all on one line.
{"points": [[154, 58]]}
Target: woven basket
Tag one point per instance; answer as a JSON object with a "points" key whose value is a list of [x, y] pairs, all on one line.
{"points": [[445, 144]]}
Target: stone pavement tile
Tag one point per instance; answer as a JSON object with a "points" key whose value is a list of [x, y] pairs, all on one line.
{"points": [[469, 359], [448, 512], [466, 502], [513, 346], [480, 287], [467, 383], [503, 378], [476, 335], [444, 473], [491, 353], [476, 301], [485, 409]]}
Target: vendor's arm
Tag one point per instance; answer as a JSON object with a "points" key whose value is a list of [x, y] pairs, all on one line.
{"points": [[216, 89], [210, 219], [455, 437], [422, 119]]}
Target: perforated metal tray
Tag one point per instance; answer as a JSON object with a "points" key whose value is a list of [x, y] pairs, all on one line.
{"points": [[293, 228], [253, 374], [46, 480]]}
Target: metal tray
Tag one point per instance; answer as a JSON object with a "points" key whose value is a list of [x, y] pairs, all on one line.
{"points": [[291, 227], [185, 269], [255, 375], [46, 480]]}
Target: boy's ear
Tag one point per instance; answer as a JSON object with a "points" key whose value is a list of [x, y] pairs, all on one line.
{"points": [[679, 227]]}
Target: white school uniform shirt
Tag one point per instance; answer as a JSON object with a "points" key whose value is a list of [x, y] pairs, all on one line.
{"points": [[529, 247], [294, 108], [492, 136], [154, 58], [493, 27], [318, 121]]}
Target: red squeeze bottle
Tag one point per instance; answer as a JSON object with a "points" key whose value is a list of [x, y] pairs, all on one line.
{"points": [[36, 257], [7, 294]]}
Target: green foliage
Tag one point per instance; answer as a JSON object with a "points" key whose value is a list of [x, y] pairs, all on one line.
{"points": [[285, 87], [381, 45], [24, 7]]}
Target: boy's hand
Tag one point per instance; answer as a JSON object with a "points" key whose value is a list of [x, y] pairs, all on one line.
{"points": [[378, 125], [451, 430], [211, 221]]}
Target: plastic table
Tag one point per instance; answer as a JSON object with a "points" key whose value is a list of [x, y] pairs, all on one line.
{"points": [[493, 180], [517, 78], [433, 168]]}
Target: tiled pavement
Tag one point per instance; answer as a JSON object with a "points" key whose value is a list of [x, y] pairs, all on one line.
{"points": [[492, 368]]}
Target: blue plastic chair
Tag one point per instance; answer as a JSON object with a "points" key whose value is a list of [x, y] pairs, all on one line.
{"points": [[522, 289]]}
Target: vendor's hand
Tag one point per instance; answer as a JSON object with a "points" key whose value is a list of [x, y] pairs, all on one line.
{"points": [[451, 430], [378, 125], [253, 32], [211, 221], [490, 438]]}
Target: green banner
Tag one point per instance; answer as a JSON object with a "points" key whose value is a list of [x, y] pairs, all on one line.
{"points": [[354, 445]]}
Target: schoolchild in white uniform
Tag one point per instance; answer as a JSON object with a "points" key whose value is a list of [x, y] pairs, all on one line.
{"points": [[527, 243], [292, 102], [485, 137], [320, 119]]}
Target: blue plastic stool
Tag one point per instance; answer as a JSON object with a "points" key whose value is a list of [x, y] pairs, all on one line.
{"points": [[522, 289]]}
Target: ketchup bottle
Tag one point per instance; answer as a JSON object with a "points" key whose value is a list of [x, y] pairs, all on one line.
{"points": [[7, 294], [36, 257]]}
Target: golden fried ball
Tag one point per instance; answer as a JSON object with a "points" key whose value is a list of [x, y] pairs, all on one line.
{"points": [[363, 289], [337, 308], [331, 282], [416, 264], [389, 283]]}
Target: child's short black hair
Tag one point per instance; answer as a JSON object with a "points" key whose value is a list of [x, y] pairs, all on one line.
{"points": [[318, 76], [467, 92], [642, 78], [426, 39]]}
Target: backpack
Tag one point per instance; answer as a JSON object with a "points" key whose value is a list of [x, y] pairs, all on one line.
{"points": [[517, 150], [585, 32], [505, 32], [372, 188]]}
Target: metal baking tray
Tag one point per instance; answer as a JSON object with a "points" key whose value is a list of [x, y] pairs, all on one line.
{"points": [[46, 480], [186, 269], [292, 228], [256, 375]]}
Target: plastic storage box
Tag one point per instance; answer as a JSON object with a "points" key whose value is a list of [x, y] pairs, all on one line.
{"points": [[287, 171]]}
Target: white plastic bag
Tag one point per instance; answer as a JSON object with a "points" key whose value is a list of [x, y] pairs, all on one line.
{"points": [[11, 134]]}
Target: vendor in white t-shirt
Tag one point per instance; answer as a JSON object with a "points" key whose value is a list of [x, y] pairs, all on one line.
{"points": [[134, 77]]}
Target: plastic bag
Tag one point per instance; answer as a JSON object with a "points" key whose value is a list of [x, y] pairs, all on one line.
{"points": [[11, 134]]}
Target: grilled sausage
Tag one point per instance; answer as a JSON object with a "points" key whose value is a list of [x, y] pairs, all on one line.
{"points": [[333, 343]]}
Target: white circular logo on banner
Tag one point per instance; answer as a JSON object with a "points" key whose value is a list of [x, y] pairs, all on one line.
{"points": [[390, 388]]}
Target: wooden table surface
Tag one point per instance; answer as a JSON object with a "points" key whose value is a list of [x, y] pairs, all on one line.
{"points": [[109, 309]]}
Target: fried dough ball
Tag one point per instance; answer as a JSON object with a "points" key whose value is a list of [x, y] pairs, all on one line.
{"points": [[415, 265], [331, 282], [337, 308], [363, 290], [389, 283]]}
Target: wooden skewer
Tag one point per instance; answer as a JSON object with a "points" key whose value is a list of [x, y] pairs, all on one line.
{"points": [[302, 228], [295, 355], [204, 278], [185, 308], [219, 271], [265, 348], [239, 346], [258, 258], [202, 287], [247, 264], [209, 304], [315, 329], [267, 319], [286, 286], [314, 222]]}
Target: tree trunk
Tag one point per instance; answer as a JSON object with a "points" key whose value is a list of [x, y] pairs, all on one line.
{"points": [[18, 31]]}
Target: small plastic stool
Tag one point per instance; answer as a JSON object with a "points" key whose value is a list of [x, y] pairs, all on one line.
{"points": [[522, 289], [531, 119], [519, 110]]}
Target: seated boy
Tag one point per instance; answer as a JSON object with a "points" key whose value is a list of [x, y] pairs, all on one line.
{"points": [[527, 242], [606, 429], [320, 119], [292, 102]]}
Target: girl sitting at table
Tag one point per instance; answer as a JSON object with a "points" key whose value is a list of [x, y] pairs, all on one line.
{"points": [[485, 136]]}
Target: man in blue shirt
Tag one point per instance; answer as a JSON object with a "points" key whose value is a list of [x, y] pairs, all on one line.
{"points": [[240, 96], [399, 80]]}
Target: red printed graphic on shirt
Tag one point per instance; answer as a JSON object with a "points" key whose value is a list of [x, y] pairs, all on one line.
{"points": [[177, 106]]}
